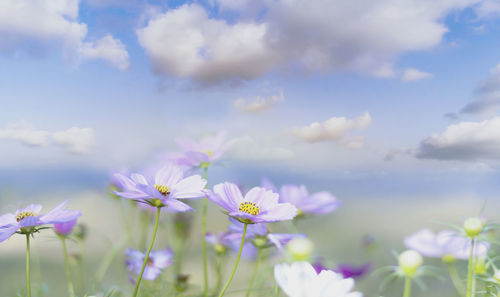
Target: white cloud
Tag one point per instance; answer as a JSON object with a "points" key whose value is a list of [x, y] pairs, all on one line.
{"points": [[258, 104], [412, 74], [335, 129], [467, 141], [75, 140], [247, 148], [25, 133], [311, 35], [186, 43], [108, 49], [37, 26], [487, 95]]}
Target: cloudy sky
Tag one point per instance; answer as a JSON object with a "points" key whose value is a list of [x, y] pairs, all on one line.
{"points": [[379, 98]]}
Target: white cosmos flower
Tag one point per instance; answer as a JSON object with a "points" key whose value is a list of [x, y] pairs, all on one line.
{"points": [[301, 280]]}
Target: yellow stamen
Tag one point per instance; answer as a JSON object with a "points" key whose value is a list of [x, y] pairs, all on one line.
{"points": [[209, 153], [23, 215], [164, 190], [249, 208]]}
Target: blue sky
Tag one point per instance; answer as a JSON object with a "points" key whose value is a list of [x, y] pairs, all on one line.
{"points": [[347, 96]]}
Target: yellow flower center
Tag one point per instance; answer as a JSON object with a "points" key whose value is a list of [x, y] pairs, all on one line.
{"points": [[209, 153], [23, 215], [164, 190], [249, 208]]}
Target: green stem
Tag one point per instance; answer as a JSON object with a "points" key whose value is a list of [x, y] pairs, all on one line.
{"points": [[147, 253], [203, 241], [254, 274], [83, 260], [236, 263], [218, 271], [71, 291], [28, 282], [455, 278], [470, 292], [407, 287]]}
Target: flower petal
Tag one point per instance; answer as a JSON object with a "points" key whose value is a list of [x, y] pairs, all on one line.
{"points": [[60, 215], [6, 232], [168, 175], [281, 212], [190, 187]]}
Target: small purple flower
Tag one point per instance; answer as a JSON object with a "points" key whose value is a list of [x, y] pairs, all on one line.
{"points": [[317, 203], [28, 217], [258, 206], [65, 228], [445, 243], [203, 152], [157, 261], [164, 189], [353, 271], [257, 235]]}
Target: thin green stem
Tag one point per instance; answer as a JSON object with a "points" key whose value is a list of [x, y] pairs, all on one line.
{"points": [[455, 278], [254, 274], [71, 291], [28, 282], [218, 272], [470, 276], [203, 241], [236, 263], [147, 253], [407, 287]]}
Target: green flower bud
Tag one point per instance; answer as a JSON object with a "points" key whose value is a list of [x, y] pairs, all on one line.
{"points": [[300, 249], [409, 262], [473, 226]]}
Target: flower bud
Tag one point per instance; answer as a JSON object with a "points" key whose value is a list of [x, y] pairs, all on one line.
{"points": [[496, 276], [410, 261], [300, 249], [448, 259], [473, 226], [480, 266]]}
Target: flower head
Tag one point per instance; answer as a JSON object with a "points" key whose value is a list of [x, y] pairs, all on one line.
{"points": [[65, 228], [167, 185], [446, 244], [25, 219], [258, 206], [157, 261], [201, 153], [349, 270], [409, 262], [317, 203], [301, 280]]}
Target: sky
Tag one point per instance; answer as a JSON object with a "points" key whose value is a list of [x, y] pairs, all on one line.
{"points": [[384, 99]]}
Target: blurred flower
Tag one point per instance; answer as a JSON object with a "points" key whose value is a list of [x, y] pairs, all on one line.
{"points": [[65, 228], [201, 153], [27, 218], [301, 280], [349, 270], [300, 249], [258, 206], [164, 189], [258, 235], [317, 203], [409, 262], [219, 241], [446, 244], [157, 261]]}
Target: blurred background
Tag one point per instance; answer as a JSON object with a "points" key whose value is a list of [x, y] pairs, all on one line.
{"points": [[392, 106]]}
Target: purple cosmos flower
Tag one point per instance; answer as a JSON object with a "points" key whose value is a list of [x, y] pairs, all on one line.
{"points": [[164, 189], [445, 243], [65, 228], [157, 261], [258, 206], [203, 152], [28, 217], [317, 203], [353, 271]]}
